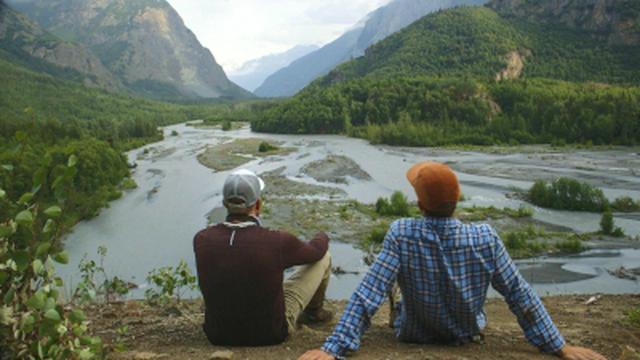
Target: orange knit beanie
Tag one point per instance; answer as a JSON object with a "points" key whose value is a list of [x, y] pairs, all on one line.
{"points": [[436, 186]]}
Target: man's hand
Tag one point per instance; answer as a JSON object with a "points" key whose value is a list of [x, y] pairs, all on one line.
{"points": [[578, 353], [316, 355]]}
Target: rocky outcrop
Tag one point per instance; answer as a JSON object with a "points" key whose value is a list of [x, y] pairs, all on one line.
{"points": [[615, 21], [25, 41], [515, 66], [145, 43]]}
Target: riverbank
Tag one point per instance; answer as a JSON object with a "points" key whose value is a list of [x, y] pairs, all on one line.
{"points": [[155, 333]]}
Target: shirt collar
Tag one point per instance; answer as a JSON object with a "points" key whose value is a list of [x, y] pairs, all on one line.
{"points": [[439, 222]]}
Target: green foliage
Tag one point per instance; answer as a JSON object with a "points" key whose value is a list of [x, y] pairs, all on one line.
{"points": [[397, 205], [171, 283], [89, 289], [34, 323], [265, 147], [398, 95], [477, 213], [475, 41], [128, 184], [571, 245], [633, 317], [567, 194], [606, 223], [226, 125], [373, 241], [625, 204]]}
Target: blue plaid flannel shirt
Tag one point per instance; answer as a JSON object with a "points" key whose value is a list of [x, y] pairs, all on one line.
{"points": [[444, 269]]}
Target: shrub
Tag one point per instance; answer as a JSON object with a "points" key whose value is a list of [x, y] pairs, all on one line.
{"points": [[567, 194], [571, 245], [171, 283], [606, 223], [174, 133], [266, 147], [226, 125], [34, 322], [397, 205], [625, 204], [89, 289]]}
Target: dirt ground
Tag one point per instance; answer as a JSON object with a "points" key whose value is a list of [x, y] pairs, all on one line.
{"points": [[176, 334]]}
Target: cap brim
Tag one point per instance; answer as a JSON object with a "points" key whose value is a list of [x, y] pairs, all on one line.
{"points": [[262, 185]]}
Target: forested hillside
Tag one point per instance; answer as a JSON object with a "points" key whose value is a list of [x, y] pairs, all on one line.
{"points": [[44, 120], [378, 25], [469, 75]]}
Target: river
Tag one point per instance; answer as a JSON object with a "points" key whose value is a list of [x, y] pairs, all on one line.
{"points": [[153, 225]]}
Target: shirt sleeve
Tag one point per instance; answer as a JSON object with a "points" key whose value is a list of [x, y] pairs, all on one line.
{"points": [[524, 303], [298, 252], [366, 300]]}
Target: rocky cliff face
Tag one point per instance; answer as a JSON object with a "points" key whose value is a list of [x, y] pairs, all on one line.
{"points": [[26, 42], [144, 43], [615, 21]]}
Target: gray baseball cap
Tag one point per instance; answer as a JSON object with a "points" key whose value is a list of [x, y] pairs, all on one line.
{"points": [[242, 189]]}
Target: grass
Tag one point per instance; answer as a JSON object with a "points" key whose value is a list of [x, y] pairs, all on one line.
{"points": [[477, 213], [239, 152], [633, 317]]}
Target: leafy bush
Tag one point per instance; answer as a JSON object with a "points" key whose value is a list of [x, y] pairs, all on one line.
{"points": [[607, 223], [266, 147], [227, 125], [171, 283], [89, 289], [397, 205], [567, 194], [34, 323], [625, 204], [571, 245]]}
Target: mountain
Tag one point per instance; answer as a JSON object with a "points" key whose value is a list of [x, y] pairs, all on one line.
{"points": [[485, 43], [253, 73], [613, 21], [484, 75], [144, 43], [376, 26], [24, 42]]}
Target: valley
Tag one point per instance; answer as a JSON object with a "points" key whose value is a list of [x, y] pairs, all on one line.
{"points": [[119, 125]]}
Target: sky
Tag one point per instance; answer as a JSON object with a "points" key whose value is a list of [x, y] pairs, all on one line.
{"points": [[237, 31]]}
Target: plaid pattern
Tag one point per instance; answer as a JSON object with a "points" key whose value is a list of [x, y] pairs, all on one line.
{"points": [[444, 269]]}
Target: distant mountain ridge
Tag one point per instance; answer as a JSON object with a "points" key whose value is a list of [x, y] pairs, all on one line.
{"points": [[484, 75], [144, 43], [497, 42], [26, 43], [254, 72], [377, 26]]}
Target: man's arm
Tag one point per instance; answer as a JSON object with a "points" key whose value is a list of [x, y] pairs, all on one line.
{"points": [[364, 303], [532, 316], [298, 252]]}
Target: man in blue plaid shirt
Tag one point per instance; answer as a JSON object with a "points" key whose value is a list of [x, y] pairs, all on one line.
{"points": [[444, 269]]}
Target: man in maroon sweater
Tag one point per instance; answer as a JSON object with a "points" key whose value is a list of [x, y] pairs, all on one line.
{"points": [[240, 272]]}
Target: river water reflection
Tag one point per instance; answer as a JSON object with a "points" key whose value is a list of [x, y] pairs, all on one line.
{"points": [[153, 225]]}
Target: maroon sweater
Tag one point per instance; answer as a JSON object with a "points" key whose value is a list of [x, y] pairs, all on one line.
{"points": [[241, 277]]}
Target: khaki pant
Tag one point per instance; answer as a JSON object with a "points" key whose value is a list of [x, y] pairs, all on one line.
{"points": [[302, 286]]}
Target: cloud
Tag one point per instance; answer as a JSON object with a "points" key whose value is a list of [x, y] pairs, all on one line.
{"points": [[240, 30]]}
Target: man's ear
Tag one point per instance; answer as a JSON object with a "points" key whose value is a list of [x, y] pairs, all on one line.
{"points": [[258, 205], [421, 206]]}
